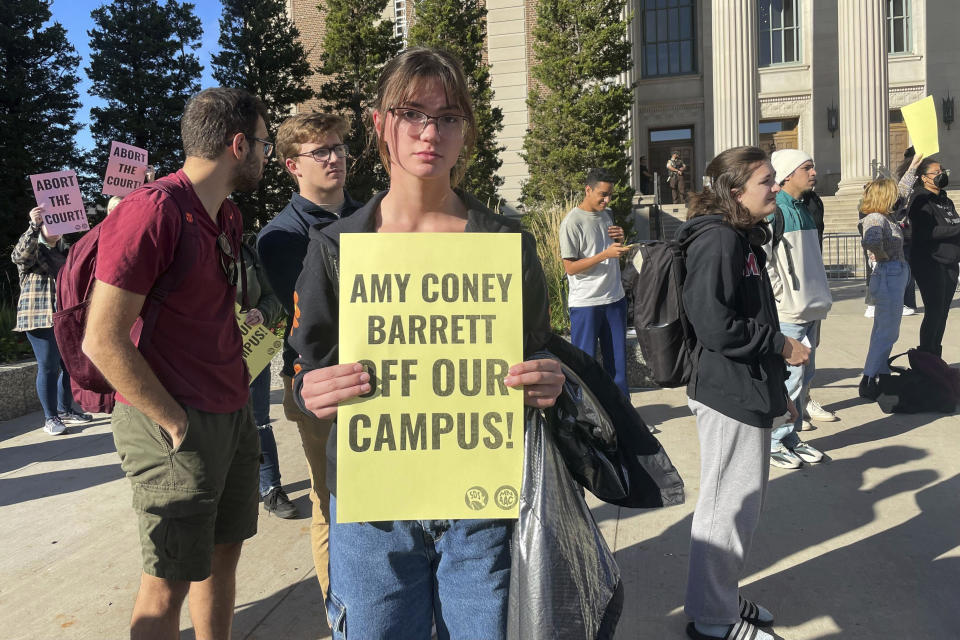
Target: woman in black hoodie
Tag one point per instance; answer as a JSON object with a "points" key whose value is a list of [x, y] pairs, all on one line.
{"points": [[737, 387], [935, 252]]}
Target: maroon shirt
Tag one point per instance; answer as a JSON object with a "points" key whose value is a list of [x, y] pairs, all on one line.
{"points": [[196, 349]]}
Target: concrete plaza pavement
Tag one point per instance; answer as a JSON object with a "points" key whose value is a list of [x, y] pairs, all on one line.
{"points": [[865, 545]]}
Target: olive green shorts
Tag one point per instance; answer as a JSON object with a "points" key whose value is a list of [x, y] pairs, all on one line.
{"points": [[188, 499]]}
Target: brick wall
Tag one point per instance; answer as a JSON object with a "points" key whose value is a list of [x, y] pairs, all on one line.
{"points": [[311, 23]]}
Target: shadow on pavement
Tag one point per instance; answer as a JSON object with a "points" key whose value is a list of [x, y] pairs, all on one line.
{"points": [[34, 422], [60, 448], [52, 483], [849, 585], [284, 614]]}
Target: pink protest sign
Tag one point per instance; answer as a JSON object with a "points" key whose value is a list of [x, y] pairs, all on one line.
{"points": [[59, 195], [124, 170]]}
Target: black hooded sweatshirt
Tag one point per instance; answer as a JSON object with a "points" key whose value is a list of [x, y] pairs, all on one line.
{"points": [[739, 370], [936, 228]]}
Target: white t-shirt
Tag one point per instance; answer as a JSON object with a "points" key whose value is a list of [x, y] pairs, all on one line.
{"points": [[583, 234]]}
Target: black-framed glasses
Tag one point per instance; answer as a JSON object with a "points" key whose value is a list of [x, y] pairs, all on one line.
{"points": [[322, 154], [228, 262], [267, 146], [448, 124]]}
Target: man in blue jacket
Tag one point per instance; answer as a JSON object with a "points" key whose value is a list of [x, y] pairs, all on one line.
{"points": [[310, 145]]}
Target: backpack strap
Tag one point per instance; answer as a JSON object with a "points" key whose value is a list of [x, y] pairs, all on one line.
{"points": [[184, 258], [897, 369], [778, 226]]}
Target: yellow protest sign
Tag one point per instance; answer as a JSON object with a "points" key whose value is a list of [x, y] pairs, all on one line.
{"points": [[259, 344], [921, 120], [437, 319]]}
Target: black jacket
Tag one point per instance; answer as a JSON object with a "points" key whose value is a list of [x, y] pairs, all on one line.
{"points": [[282, 245], [936, 228], [727, 295], [316, 336]]}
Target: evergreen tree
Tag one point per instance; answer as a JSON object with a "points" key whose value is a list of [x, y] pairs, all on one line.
{"points": [[38, 105], [143, 67], [579, 112], [460, 27], [262, 53], [358, 42]]}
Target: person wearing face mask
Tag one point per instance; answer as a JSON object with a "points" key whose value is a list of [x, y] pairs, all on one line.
{"points": [[936, 250]]}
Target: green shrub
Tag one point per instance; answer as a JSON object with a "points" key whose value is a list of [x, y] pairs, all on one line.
{"points": [[544, 223], [13, 344]]}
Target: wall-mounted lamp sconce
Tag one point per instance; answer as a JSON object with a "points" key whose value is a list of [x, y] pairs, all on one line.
{"points": [[833, 119], [948, 111]]}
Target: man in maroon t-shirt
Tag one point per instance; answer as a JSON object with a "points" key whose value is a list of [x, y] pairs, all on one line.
{"points": [[182, 425]]}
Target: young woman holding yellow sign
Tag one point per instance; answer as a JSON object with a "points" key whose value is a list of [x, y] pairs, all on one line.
{"points": [[394, 579]]}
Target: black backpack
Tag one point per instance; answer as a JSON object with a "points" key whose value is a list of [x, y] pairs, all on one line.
{"points": [[930, 386], [664, 333]]}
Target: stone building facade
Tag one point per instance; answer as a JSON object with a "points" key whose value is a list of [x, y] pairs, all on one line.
{"points": [[828, 76]]}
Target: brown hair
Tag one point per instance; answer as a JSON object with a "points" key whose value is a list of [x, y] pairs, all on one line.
{"points": [[879, 196], [213, 116], [307, 127], [728, 172], [405, 74]]}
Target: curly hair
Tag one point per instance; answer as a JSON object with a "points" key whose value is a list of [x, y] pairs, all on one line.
{"points": [[728, 172]]}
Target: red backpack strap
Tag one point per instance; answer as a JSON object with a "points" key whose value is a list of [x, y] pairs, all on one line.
{"points": [[184, 257]]}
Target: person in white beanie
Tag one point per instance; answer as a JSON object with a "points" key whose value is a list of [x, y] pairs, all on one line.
{"points": [[795, 267]]}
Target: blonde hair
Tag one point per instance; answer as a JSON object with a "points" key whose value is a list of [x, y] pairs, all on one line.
{"points": [[112, 203], [403, 76], [307, 127], [879, 196]]}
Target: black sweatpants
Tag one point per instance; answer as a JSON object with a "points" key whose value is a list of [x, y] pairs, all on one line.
{"points": [[937, 283]]}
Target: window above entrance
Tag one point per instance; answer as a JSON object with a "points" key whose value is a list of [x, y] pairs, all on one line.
{"points": [[898, 26], [778, 22]]}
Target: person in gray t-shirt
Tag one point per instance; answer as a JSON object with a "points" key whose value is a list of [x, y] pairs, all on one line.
{"points": [[590, 245]]}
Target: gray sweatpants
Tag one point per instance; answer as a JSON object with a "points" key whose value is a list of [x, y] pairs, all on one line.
{"points": [[734, 467]]}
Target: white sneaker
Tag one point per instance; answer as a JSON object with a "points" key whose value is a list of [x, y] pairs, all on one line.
{"points": [[806, 452], [869, 312], [909, 311], [54, 427], [815, 412]]}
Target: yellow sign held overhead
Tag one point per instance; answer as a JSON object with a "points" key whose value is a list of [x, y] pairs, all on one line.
{"points": [[437, 320], [921, 120]]}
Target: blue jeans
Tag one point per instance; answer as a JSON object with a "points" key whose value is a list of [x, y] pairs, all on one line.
{"points": [[269, 462], [608, 322], [798, 382], [887, 283], [53, 381], [394, 579]]}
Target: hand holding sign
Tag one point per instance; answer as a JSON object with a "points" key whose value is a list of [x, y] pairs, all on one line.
{"points": [[324, 389], [542, 381], [259, 343]]}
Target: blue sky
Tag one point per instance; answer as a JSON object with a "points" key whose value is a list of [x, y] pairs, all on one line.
{"points": [[74, 15]]}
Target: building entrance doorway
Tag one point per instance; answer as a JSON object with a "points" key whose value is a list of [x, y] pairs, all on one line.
{"points": [[899, 140], [662, 144], [779, 134]]}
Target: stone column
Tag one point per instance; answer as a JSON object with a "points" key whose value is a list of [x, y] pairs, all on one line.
{"points": [[864, 92], [736, 105]]}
